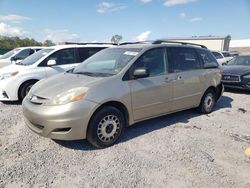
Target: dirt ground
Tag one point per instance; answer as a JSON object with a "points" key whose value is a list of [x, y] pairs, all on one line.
{"points": [[184, 149]]}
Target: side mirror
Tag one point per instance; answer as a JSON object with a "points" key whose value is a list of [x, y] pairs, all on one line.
{"points": [[51, 62], [140, 73], [14, 58]]}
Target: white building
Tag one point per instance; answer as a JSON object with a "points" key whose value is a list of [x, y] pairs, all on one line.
{"points": [[211, 42]]}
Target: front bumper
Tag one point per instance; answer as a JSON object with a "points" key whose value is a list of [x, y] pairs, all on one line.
{"points": [[239, 85], [64, 122], [8, 90]]}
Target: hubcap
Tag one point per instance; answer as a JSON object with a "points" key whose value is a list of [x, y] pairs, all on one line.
{"points": [[208, 102], [108, 128], [28, 89]]}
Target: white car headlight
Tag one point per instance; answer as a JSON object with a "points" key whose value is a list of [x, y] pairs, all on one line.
{"points": [[247, 76], [71, 95], [8, 75]]}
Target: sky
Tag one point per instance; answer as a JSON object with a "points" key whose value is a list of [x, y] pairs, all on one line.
{"points": [[98, 21]]}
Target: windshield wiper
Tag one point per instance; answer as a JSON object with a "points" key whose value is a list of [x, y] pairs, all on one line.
{"points": [[20, 63], [94, 74], [70, 70]]}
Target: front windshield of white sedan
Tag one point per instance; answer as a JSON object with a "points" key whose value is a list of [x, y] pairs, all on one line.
{"points": [[36, 56], [10, 53], [107, 62]]}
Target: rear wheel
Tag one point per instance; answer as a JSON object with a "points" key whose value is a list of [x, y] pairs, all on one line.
{"points": [[106, 127], [207, 102], [24, 89]]}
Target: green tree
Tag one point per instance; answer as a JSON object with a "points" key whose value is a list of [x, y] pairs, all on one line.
{"points": [[116, 39], [14, 42], [48, 43]]}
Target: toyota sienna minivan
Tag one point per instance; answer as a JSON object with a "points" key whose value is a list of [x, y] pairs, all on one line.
{"points": [[120, 86]]}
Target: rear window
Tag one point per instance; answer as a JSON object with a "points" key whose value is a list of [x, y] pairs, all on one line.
{"points": [[85, 53], [217, 55], [226, 54]]}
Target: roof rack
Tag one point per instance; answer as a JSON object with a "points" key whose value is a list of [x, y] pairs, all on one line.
{"points": [[86, 43], [138, 42], [176, 42]]}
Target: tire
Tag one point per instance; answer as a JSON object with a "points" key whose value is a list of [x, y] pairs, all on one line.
{"points": [[24, 89], [207, 102], [106, 127]]}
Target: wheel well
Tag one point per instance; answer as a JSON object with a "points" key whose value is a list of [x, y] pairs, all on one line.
{"points": [[117, 105], [217, 90], [19, 89]]}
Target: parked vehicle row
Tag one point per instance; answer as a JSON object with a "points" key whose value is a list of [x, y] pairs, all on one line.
{"points": [[223, 57], [119, 86], [16, 55], [17, 79]]}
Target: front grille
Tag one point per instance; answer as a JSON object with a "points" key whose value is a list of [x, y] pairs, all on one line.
{"points": [[230, 78]]}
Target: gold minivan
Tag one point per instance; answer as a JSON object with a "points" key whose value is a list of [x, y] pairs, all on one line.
{"points": [[120, 86]]}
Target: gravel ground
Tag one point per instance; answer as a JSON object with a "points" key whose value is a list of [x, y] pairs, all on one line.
{"points": [[184, 149]]}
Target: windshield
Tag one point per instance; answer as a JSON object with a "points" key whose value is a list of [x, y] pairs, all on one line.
{"points": [[35, 57], [240, 60], [107, 62], [10, 53]]}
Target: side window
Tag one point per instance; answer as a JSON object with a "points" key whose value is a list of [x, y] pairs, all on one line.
{"points": [[153, 60], [32, 51], [184, 59], [64, 56], [85, 53], [23, 54], [207, 58]]}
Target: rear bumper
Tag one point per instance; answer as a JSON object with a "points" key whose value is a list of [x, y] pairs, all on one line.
{"points": [[64, 122]]}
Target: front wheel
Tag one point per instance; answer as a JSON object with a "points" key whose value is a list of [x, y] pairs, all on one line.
{"points": [[207, 102], [106, 127], [24, 89]]}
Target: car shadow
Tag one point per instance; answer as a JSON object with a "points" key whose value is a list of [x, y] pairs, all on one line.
{"points": [[151, 125], [76, 144], [12, 102], [147, 126]]}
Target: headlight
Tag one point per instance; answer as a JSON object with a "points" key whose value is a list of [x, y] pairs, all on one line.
{"points": [[8, 75], [71, 95], [247, 76]]}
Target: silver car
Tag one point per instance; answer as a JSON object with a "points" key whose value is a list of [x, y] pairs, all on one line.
{"points": [[120, 86]]}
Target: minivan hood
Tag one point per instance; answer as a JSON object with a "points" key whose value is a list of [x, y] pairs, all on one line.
{"points": [[54, 85], [13, 68], [235, 69]]}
